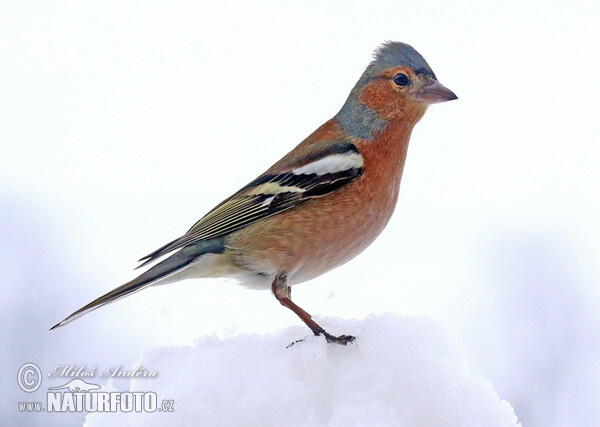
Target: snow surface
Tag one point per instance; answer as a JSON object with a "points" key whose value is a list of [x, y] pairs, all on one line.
{"points": [[402, 371]]}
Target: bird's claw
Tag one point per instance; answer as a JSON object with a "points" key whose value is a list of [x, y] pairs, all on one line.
{"points": [[342, 339], [332, 339], [292, 343]]}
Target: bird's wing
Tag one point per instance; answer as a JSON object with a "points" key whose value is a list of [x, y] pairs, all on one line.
{"points": [[314, 175]]}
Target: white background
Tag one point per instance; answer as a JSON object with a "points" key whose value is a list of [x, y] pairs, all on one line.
{"points": [[122, 123]]}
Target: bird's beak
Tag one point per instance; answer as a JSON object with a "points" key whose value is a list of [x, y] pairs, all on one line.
{"points": [[435, 92]]}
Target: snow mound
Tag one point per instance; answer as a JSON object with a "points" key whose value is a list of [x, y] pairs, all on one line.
{"points": [[402, 371]]}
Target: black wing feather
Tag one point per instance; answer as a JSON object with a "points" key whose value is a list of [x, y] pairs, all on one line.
{"points": [[246, 207]]}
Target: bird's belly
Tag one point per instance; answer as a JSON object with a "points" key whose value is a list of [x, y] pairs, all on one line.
{"points": [[318, 236]]}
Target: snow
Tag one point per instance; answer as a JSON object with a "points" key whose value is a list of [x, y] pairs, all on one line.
{"points": [[400, 371]]}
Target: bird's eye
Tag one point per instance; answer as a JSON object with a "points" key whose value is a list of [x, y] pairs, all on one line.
{"points": [[401, 79]]}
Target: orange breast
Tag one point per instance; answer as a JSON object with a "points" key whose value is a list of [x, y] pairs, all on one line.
{"points": [[326, 232]]}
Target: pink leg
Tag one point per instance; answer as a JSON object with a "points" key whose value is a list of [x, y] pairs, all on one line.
{"points": [[283, 293]]}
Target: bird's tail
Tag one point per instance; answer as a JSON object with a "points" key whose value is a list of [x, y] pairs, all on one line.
{"points": [[155, 274]]}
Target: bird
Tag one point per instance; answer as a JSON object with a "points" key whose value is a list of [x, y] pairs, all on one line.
{"points": [[316, 208]]}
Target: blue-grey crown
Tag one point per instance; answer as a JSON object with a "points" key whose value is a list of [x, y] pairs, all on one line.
{"points": [[396, 54]]}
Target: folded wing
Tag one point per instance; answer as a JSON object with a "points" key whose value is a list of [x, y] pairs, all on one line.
{"points": [[326, 171]]}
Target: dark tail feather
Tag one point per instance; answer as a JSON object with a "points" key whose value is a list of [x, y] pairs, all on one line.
{"points": [[156, 254], [162, 270]]}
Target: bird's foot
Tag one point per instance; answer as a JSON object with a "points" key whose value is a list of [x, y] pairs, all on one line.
{"points": [[292, 343], [332, 339], [342, 339]]}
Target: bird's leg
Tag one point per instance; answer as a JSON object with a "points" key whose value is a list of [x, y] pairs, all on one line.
{"points": [[283, 293]]}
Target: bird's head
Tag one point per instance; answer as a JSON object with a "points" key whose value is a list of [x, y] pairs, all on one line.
{"points": [[397, 87]]}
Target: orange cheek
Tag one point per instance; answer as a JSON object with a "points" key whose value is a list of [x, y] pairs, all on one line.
{"points": [[383, 98], [390, 103]]}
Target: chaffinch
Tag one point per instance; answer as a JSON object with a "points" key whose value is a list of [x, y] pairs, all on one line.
{"points": [[319, 206]]}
